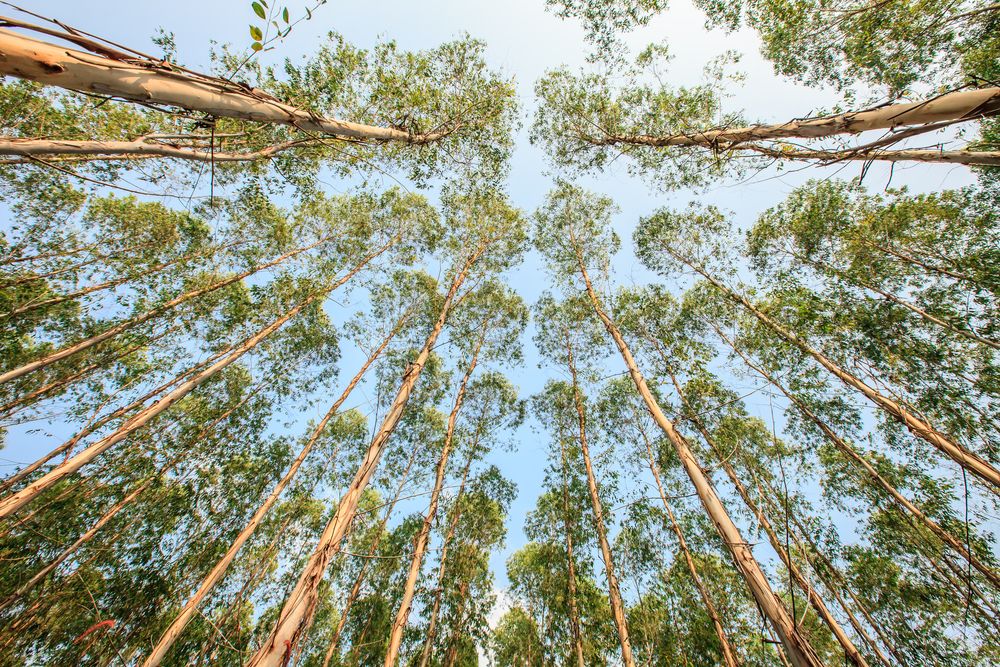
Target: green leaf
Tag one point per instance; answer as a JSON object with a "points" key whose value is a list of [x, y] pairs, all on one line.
{"points": [[284, 14], [256, 46], [258, 10], [255, 33]]}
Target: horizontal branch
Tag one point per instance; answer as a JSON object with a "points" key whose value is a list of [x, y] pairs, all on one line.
{"points": [[973, 158], [141, 147], [156, 82], [951, 107]]}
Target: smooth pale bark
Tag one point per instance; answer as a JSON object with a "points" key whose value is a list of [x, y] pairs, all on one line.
{"points": [[966, 157], [115, 282], [917, 426], [852, 454], [837, 584], [15, 501], [797, 647], [177, 626], [420, 544], [359, 580], [136, 320], [951, 107], [103, 421], [614, 593], [728, 655], [297, 612], [152, 82], [815, 600], [425, 655], [574, 611], [143, 147]]}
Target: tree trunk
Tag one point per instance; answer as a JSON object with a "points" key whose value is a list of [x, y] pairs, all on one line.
{"points": [[614, 594], [191, 607], [815, 600], [948, 108], [799, 651], [852, 454], [143, 317], [574, 612], [15, 501], [728, 655], [359, 580], [151, 82], [442, 567], [420, 544], [916, 425], [300, 604]]}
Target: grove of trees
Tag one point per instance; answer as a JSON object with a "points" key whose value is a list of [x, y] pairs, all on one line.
{"points": [[264, 357]]}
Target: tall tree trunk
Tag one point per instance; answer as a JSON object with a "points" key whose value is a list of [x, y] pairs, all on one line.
{"points": [[15, 501], [191, 606], [360, 579], [300, 604], [614, 594], [850, 650], [425, 655], [150, 82], [728, 655], [944, 109], [799, 651], [148, 315], [853, 455], [420, 544], [574, 611], [916, 425]]}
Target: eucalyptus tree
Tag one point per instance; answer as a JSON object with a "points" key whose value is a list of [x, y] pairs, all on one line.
{"points": [[682, 136], [697, 239], [929, 328], [494, 410], [568, 335], [890, 45], [486, 328], [355, 109], [357, 256], [574, 235], [484, 236]]}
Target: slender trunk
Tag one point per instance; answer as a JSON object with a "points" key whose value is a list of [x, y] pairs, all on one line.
{"points": [[452, 653], [148, 315], [94, 426], [574, 612], [916, 425], [799, 651], [920, 312], [614, 594], [728, 655], [141, 148], [909, 259], [108, 284], [83, 539], [853, 455], [300, 604], [445, 544], [850, 650], [191, 607], [15, 501], [944, 109], [420, 545], [24, 402], [150, 82]]}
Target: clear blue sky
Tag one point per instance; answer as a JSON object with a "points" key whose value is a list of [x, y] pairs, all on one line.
{"points": [[523, 41]]}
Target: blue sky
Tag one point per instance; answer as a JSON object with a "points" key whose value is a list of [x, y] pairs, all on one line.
{"points": [[523, 41]]}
